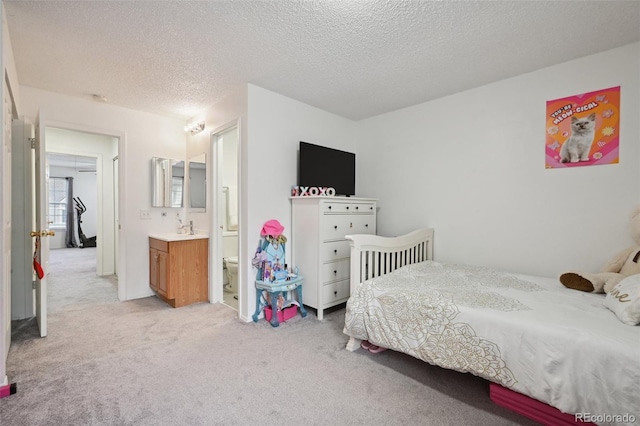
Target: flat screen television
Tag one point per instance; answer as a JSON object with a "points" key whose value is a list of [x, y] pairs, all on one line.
{"points": [[327, 167]]}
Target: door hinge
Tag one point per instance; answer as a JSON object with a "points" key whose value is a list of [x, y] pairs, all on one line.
{"points": [[33, 143], [33, 285]]}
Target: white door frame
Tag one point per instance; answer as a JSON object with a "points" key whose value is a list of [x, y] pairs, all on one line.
{"points": [[121, 190], [215, 242]]}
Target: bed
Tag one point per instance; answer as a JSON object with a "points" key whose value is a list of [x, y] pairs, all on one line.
{"points": [[527, 335]]}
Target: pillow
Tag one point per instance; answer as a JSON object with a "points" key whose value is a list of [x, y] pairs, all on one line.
{"points": [[624, 300]]}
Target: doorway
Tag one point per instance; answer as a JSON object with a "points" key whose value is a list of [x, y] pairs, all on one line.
{"points": [[82, 268], [226, 264]]}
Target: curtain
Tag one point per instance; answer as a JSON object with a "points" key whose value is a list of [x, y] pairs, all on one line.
{"points": [[71, 225]]}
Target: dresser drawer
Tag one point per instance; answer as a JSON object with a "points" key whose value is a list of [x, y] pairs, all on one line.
{"points": [[159, 244], [335, 227], [365, 208], [335, 292], [334, 250], [362, 224], [336, 207], [335, 271]]}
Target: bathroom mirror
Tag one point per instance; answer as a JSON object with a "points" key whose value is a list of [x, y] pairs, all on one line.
{"points": [[198, 183], [167, 182]]}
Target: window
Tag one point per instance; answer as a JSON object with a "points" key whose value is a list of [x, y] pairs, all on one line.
{"points": [[58, 194]]}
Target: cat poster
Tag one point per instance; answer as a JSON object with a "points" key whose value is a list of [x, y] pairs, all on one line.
{"points": [[583, 130]]}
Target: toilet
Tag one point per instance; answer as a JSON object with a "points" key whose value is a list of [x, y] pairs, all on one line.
{"points": [[231, 265], [230, 261]]}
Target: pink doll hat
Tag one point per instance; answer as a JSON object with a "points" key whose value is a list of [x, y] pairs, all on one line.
{"points": [[272, 227]]}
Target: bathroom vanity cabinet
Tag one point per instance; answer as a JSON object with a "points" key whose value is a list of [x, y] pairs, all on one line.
{"points": [[178, 269]]}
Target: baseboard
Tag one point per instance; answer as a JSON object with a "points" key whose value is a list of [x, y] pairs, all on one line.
{"points": [[531, 408]]}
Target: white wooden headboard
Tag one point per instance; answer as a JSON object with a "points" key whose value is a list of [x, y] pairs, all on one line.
{"points": [[373, 256]]}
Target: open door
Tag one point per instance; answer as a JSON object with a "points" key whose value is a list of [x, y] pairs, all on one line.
{"points": [[41, 232]]}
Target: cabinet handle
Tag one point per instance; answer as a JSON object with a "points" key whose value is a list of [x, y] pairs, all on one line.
{"points": [[366, 225], [335, 251], [329, 207], [371, 208], [347, 207], [335, 293], [335, 272], [335, 227], [357, 207]]}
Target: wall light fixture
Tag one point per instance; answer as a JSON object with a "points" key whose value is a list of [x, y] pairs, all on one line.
{"points": [[194, 128]]}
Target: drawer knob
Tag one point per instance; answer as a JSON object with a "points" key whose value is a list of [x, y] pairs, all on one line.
{"points": [[366, 225], [357, 207], [347, 207], [329, 207], [335, 251], [335, 227], [335, 293], [371, 208], [335, 272]]}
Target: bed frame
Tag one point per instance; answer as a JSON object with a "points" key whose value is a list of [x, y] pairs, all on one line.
{"points": [[373, 256]]}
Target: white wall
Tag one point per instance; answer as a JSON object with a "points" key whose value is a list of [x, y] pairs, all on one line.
{"points": [[142, 136], [229, 110], [230, 159], [472, 166], [276, 126]]}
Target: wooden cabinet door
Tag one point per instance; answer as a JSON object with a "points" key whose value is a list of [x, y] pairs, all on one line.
{"points": [[164, 281], [153, 269]]}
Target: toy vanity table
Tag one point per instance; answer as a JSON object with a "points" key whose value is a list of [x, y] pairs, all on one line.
{"points": [[275, 289]]}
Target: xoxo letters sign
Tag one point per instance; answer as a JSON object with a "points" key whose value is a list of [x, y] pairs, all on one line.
{"points": [[312, 191]]}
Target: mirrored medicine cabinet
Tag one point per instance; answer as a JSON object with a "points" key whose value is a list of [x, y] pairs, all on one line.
{"points": [[167, 182], [198, 183]]}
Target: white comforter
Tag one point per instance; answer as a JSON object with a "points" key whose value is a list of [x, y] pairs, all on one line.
{"points": [[529, 334]]}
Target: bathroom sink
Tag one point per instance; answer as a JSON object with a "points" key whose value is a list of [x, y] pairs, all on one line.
{"points": [[178, 237]]}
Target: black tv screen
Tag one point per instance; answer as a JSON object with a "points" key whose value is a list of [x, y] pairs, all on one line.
{"points": [[320, 166]]}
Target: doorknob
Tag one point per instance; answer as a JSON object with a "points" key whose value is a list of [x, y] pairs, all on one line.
{"points": [[43, 233]]}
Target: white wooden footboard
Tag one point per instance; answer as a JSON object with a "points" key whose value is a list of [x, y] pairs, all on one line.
{"points": [[373, 256]]}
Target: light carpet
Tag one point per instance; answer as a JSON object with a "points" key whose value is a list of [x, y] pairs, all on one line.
{"points": [[142, 362]]}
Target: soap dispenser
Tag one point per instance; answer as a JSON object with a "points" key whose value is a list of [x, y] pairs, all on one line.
{"points": [[182, 228]]}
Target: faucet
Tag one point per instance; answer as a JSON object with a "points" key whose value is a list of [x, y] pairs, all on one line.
{"points": [[191, 227]]}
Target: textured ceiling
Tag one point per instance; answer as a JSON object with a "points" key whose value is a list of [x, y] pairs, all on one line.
{"points": [[353, 58]]}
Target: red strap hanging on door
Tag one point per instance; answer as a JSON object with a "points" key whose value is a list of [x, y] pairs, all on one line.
{"points": [[36, 265]]}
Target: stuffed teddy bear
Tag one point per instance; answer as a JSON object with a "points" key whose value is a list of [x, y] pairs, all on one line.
{"points": [[626, 263]]}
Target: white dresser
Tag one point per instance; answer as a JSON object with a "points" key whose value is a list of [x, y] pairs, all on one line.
{"points": [[319, 249]]}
